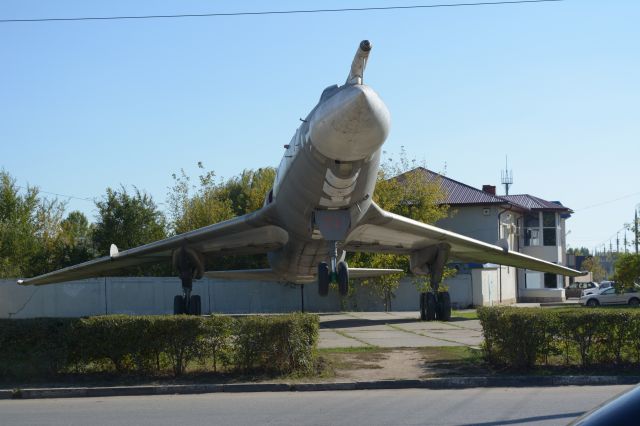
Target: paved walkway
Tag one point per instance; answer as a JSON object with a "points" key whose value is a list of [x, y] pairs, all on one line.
{"points": [[395, 330]]}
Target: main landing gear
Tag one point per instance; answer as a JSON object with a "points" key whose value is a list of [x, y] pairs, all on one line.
{"points": [[434, 305], [338, 273], [189, 266]]}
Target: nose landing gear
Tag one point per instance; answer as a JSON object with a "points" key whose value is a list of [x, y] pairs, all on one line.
{"points": [[338, 273]]}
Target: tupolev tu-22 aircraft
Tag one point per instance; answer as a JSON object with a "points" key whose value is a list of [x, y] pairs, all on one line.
{"points": [[319, 208]]}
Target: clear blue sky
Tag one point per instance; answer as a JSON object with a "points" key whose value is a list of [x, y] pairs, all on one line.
{"points": [[555, 86]]}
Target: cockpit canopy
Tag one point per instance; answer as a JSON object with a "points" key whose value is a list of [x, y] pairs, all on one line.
{"points": [[328, 92]]}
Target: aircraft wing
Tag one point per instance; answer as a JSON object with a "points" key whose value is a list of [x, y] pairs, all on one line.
{"points": [[385, 232], [249, 234]]}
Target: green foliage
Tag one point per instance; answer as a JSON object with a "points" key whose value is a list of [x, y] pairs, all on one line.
{"points": [[248, 190], [403, 188], [523, 338], [218, 331], [214, 200], [592, 264], [627, 269], [34, 347], [278, 344], [18, 227], [192, 207], [127, 220], [149, 345], [423, 282], [75, 240], [33, 236]]}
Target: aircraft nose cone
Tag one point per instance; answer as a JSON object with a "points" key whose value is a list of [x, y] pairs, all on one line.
{"points": [[351, 125]]}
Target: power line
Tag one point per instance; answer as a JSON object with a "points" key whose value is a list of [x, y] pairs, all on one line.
{"points": [[273, 12], [607, 202], [58, 194]]}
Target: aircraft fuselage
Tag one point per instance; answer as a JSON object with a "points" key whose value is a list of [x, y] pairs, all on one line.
{"points": [[330, 166]]}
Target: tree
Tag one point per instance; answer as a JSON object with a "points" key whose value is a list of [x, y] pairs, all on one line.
{"points": [[214, 200], [192, 207], [29, 230], [592, 264], [248, 190], [75, 240], [627, 270], [127, 220], [582, 251], [18, 227]]}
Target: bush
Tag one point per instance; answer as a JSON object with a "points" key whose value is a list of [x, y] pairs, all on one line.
{"points": [[33, 347], [523, 338], [278, 344], [154, 344]]}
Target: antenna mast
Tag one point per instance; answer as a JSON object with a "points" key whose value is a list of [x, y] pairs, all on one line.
{"points": [[506, 176]]}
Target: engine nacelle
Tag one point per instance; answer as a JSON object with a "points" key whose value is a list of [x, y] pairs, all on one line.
{"points": [[430, 261], [188, 262]]}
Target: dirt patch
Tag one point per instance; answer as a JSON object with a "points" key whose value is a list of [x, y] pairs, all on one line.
{"points": [[382, 364], [404, 363]]}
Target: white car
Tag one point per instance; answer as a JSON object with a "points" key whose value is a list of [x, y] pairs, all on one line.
{"points": [[602, 286], [608, 296]]}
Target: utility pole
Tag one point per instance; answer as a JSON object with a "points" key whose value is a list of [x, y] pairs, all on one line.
{"points": [[626, 249], [635, 224], [617, 242]]}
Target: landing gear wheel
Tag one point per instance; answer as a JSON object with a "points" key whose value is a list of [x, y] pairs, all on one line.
{"points": [[423, 306], [323, 279], [443, 310], [343, 278], [430, 306], [195, 305], [178, 305]]}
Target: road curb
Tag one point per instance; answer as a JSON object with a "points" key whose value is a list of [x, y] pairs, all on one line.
{"points": [[435, 383]]}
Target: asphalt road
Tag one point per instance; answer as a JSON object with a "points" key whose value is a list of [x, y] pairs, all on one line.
{"points": [[479, 406]]}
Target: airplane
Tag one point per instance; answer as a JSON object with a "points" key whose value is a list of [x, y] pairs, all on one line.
{"points": [[319, 208]]}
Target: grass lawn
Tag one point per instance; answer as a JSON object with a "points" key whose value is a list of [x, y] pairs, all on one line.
{"points": [[466, 314]]}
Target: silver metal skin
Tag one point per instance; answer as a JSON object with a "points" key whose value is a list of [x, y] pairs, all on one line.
{"points": [[321, 200]]}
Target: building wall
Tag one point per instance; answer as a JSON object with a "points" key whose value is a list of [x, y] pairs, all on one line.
{"points": [[154, 296], [479, 222]]}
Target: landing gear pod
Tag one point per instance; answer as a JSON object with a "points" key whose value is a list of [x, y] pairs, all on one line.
{"points": [[190, 266]]}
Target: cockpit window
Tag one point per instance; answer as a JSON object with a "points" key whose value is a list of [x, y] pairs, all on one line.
{"points": [[328, 92]]}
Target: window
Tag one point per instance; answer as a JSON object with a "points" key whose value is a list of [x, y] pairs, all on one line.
{"points": [[549, 228], [532, 229], [550, 280]]}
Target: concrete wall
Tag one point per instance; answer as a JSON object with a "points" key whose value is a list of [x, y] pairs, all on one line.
{"points": [[542, 295], [473, 222], [154, 296], [494, 286]]}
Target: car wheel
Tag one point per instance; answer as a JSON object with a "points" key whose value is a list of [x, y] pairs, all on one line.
{"points": [[592, 303], [634, 302]]}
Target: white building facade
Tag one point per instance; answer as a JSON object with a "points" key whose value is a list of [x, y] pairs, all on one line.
{"points": [[529, 224]]}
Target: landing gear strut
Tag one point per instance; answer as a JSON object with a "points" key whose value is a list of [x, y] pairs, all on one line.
{"points": [[189, 267], [337, 272], [434, 305]]}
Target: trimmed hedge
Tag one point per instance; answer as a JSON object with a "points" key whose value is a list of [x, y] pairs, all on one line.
{"points": [[526, 337], [151, 345]]}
